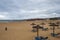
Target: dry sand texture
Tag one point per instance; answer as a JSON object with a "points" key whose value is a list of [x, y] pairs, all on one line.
{"points": [[23, 30]]}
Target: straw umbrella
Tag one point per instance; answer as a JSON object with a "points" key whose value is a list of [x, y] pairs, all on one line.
{"points": [[34, 29], [33, 24], [37, 27], [42, 24], [53, 25], [58, 23]]}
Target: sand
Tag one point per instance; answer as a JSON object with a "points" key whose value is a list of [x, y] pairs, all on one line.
{"points": [[23, 30]]}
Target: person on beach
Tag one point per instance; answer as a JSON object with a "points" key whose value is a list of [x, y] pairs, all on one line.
{"points": [[5, 28]]}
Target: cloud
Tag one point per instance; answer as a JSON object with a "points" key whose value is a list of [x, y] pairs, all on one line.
{"points": [[1, 16], [25, 9]]}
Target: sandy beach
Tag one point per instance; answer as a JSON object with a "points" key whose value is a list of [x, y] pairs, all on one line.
{"points": [[23, 30]]}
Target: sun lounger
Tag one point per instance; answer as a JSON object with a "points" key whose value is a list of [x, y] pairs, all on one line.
{"points": [[41, 38], [45, 29], [37, 38], [34, 30], [40, 27], [55, 35]]}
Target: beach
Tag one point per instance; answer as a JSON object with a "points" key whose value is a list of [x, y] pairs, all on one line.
{"points": [[22, 30]]}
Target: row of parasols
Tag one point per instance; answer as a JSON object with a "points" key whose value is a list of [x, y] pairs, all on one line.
{"points": [[37, 27]]}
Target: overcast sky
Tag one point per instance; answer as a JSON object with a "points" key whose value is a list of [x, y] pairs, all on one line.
{"points": [[26, 9]]}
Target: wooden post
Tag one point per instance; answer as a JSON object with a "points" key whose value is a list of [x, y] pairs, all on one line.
{"points": [[53, 25], [53, 29], [37, 27], [37, 32]]}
